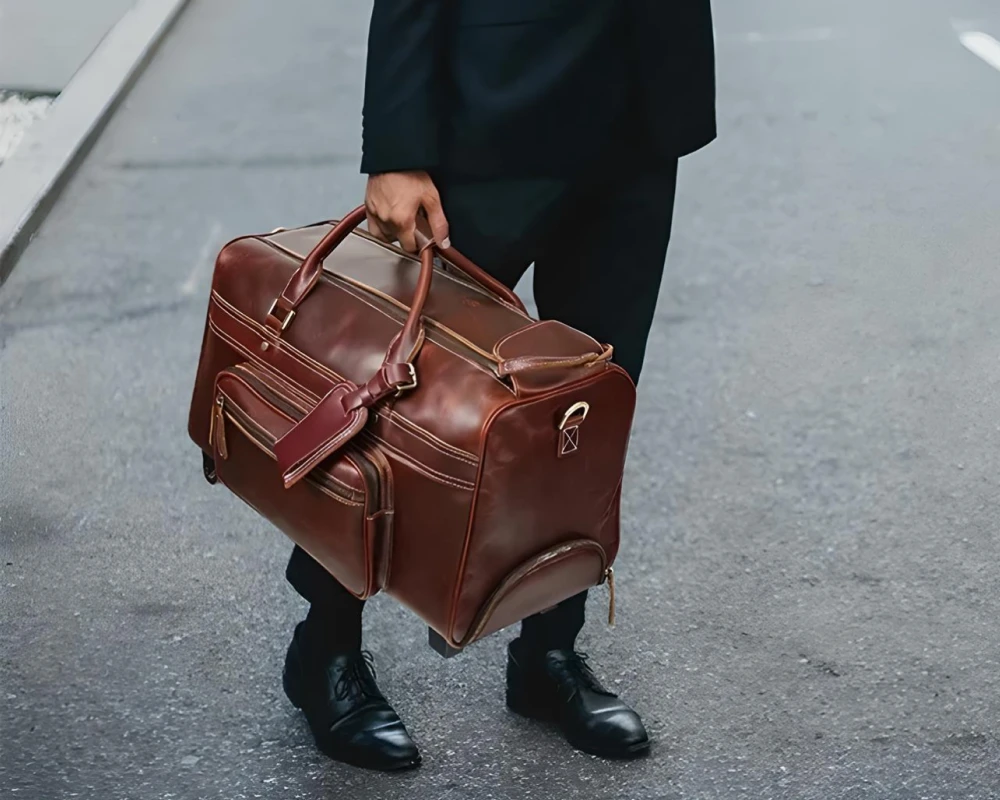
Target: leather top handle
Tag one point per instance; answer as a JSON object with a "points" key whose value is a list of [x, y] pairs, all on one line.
{"points": [[305, 277]]}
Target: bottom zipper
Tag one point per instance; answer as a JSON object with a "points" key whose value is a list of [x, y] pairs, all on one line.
{"points": [[509, 584]]}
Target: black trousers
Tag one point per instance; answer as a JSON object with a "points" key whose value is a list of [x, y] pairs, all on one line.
{"points": [[599, 246]]}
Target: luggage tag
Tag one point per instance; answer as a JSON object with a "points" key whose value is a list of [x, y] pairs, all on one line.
{"points": [[319, 434]]}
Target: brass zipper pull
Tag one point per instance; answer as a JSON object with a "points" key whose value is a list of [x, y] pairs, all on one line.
{"points": [[211, 424], [609, 575], [219, 424]]}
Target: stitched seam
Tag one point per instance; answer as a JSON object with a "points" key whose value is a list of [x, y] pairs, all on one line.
{"points": [[332, 441], [314, 366], [417, 464], [442, 447], [481, 620], [408, 256], [287, 386], [566, 362], [369, 566], [312, 483], [363, 287], [451, 480]]}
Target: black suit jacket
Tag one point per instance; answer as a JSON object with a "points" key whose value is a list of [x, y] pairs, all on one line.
{"points": [[491, 88]]}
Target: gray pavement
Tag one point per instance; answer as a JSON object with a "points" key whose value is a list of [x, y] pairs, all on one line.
{"points": [[44, 42], [808, 584]]}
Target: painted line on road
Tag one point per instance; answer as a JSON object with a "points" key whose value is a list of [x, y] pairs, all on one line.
{"points": [[802, 35], [204, 259], [983, 45]]}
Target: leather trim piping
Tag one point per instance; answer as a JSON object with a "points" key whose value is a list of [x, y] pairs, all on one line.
{"points": [[400, 253], [253, 440], [534, 327], [309, 363], [440, 477], [442, 447]]}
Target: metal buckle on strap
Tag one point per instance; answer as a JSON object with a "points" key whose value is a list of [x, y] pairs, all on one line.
{"points": [[413, 380], [284, 323], [580, 410]]}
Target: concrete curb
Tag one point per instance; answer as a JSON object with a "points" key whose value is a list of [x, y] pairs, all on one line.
{"points": [[40, 166]]}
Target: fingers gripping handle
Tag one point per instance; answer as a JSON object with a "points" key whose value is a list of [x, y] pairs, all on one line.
{"points": [[305, 277]]}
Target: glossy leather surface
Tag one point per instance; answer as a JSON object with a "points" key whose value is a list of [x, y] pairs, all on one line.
{"points": [[480, 497]]}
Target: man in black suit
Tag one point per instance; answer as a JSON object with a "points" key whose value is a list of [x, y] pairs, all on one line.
{"points": [[527, 131]]}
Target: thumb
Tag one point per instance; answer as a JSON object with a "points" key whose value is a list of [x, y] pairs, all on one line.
{"points": [[438, 221]]}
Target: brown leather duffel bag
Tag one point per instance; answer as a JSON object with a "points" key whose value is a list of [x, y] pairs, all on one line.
{"points": [[410, 426]]}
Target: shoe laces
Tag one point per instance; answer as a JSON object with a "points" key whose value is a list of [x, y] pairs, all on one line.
{"points": [[358, 678], [576, 666]]}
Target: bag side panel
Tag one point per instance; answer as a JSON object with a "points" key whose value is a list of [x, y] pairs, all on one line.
{"points": [[532, 497]]}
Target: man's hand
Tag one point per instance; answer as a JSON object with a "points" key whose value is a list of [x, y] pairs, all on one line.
{"points": [[395, 199]]}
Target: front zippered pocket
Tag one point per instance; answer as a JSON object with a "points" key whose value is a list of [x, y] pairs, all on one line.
{"points": [[341, 513]]}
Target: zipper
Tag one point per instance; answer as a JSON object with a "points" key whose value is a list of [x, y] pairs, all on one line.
{"points": [[447, 269], [609, 577], [218, 428], [522, 572], [366, 461], [369, 461], [441, 335], [265, 443]]}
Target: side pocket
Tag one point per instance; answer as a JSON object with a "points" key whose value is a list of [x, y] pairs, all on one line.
{"points": [[541, 582], [340, 513]]}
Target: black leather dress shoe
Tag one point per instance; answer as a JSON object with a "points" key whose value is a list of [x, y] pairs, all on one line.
{"points": [[349, 718], [560, 687]]}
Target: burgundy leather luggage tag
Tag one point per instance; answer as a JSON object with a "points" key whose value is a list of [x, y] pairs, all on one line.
{"points": [[321, 432]]}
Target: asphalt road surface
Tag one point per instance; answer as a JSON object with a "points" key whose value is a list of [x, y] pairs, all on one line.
{"points": [[808, 584]]}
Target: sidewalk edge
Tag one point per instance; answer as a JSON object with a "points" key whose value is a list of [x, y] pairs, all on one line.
{"points": [[32, 178]]}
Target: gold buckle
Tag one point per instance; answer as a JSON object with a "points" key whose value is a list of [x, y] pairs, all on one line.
{"points": [[288, 317], [413, 380], [576, 409]]}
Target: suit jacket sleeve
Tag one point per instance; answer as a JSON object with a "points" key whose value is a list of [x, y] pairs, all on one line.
{"points": [[403, 83]]}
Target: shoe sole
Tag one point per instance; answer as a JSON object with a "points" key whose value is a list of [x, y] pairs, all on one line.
{"points": [[540, 712]]}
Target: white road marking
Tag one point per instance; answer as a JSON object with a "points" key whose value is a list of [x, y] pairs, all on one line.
{"points": [[203, 260], [983, 45], [802, 35]]}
